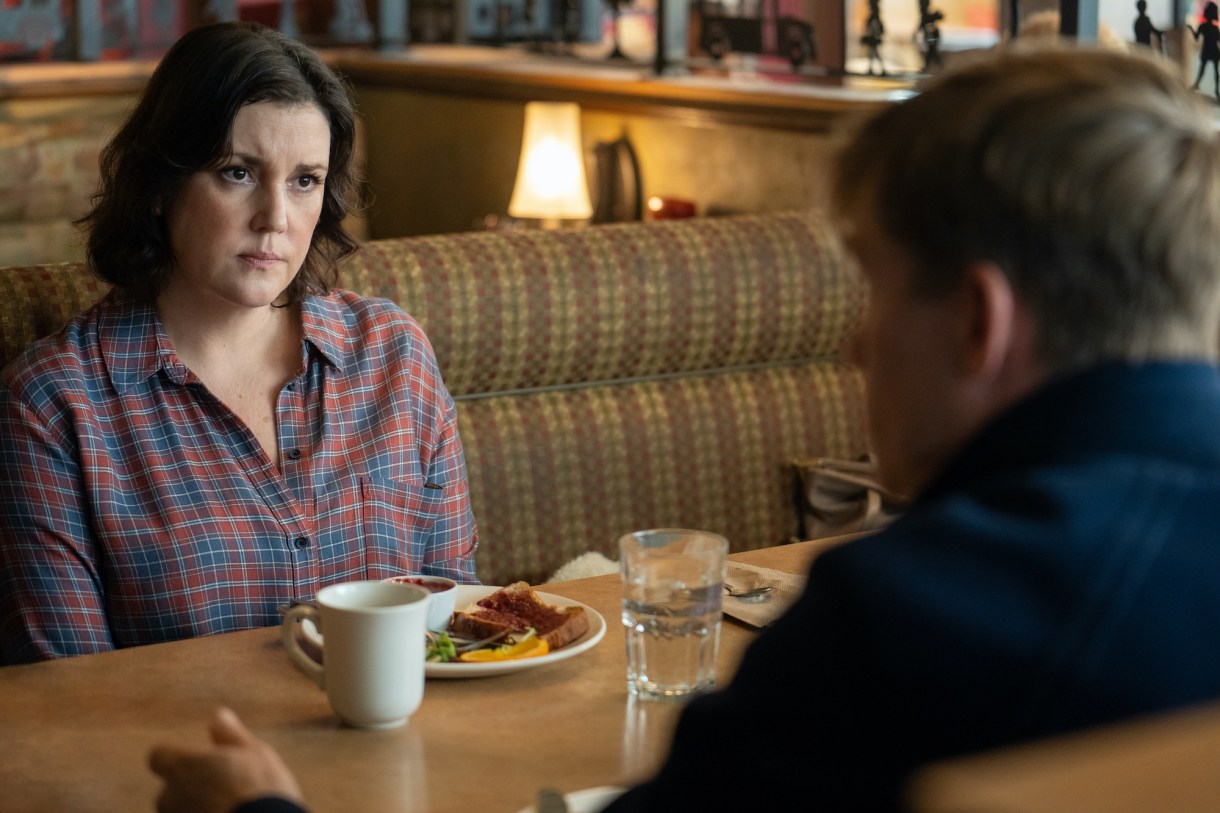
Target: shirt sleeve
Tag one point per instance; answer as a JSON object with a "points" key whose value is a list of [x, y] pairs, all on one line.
{"points": [[51, 601], [398, 376], [455, 536]]}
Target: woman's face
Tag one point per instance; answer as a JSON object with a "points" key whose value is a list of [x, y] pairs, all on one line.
{"points": [[241, 230]]}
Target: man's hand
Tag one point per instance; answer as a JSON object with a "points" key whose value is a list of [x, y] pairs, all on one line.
{"points": [[237, 768]]}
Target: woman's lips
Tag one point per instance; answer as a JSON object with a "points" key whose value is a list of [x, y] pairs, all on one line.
{"points": [[260, 259]]}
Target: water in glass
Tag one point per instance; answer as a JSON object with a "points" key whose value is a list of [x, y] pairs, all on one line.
{"points": [[671, 620]]}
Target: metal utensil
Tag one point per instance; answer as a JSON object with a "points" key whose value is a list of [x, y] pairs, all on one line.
{"points": [[462, 644], [754, 594]]}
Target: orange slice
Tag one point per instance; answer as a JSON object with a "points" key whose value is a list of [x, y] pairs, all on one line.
{"points": [[529, 648]]}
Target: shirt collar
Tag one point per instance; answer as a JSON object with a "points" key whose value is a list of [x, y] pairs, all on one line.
{"points": [[324, 327], [133, 342], [135, 345]]}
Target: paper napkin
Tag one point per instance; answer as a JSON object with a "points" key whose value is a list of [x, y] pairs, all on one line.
{"points": [[786, 588]]}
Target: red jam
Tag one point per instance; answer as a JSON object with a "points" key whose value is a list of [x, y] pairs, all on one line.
{"points": [[427, 584]]}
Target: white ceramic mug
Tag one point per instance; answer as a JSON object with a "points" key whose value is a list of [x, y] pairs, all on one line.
{"points": [[373, 649]]}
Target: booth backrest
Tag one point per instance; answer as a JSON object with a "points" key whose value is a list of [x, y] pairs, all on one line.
{"points": [[609, 378]]}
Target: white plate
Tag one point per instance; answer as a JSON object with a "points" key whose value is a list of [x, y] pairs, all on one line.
{"points": [[467, 594], [591, 800]]}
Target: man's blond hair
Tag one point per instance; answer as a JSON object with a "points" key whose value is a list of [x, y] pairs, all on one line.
{"points": [[1092, 178]]}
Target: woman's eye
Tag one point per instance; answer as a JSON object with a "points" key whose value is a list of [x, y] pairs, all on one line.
{"points": [[239, 174], [308, 182]]}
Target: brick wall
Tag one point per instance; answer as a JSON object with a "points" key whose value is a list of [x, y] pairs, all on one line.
{"points": [[48, 170]]}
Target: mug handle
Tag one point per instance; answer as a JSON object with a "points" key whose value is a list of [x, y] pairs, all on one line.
{"points": [[288, 631]]}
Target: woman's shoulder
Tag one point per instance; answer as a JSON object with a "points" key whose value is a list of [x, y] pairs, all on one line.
{"points": [[365, 324], [69, 348], [365, 312], [70, 362], [370, 336]]}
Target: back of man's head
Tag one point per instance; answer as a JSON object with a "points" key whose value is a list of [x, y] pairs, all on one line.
{"points": [[1091, 178]]}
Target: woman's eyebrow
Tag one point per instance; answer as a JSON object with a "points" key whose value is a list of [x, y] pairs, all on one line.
{"points": [[255, 161]]}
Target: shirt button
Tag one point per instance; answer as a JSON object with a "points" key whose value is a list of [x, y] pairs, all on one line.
{"points": [[295, 454], [301, 542]]}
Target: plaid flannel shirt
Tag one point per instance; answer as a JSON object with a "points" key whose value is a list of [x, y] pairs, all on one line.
{"points": [[135, 507]]}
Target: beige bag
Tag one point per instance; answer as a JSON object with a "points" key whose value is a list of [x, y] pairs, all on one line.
{"points": [[843, 497]]}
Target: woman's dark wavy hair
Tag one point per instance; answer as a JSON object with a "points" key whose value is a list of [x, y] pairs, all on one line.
{"points": [[182, 124]]}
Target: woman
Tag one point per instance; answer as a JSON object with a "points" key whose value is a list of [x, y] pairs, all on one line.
{"points": [[223, 432]]}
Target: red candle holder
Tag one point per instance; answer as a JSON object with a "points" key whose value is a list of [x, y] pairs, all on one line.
{"points": [[661, 208]]}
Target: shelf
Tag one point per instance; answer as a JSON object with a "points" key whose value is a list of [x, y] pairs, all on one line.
{"points": [[706, 96], [713, 97]]}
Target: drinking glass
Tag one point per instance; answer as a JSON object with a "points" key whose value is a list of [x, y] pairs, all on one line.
{"points": [[673, 579]]}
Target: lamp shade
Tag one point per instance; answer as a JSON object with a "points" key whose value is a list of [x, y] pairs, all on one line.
{"points": [[551, 180]]}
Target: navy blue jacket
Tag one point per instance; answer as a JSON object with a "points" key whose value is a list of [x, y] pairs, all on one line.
{"points": [[1061, 572]]}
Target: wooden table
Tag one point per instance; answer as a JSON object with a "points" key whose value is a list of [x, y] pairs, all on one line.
{"points": [[1157, 762], [76, 732]]}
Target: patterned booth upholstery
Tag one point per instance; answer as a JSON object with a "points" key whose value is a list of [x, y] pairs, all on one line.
{"points": [[610, 378]]}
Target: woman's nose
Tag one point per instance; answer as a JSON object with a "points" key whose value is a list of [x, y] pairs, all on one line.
{"points": [[272, 214]]}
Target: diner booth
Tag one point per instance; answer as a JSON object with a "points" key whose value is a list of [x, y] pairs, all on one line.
{"points": [[665, 349]]}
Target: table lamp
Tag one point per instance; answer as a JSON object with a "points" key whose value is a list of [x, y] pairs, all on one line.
{"points": [[551, 186]]}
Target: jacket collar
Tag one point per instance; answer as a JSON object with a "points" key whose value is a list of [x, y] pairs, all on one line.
{"points": [[1154, 410]]}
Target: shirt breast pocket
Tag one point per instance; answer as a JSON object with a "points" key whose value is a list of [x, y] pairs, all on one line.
{"points": [[397, 519]]}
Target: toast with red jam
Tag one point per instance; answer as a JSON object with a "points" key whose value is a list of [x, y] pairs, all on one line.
{"points": [[513, 610]]}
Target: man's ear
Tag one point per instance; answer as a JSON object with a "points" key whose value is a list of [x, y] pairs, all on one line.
{"points": [[992, 327]]}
